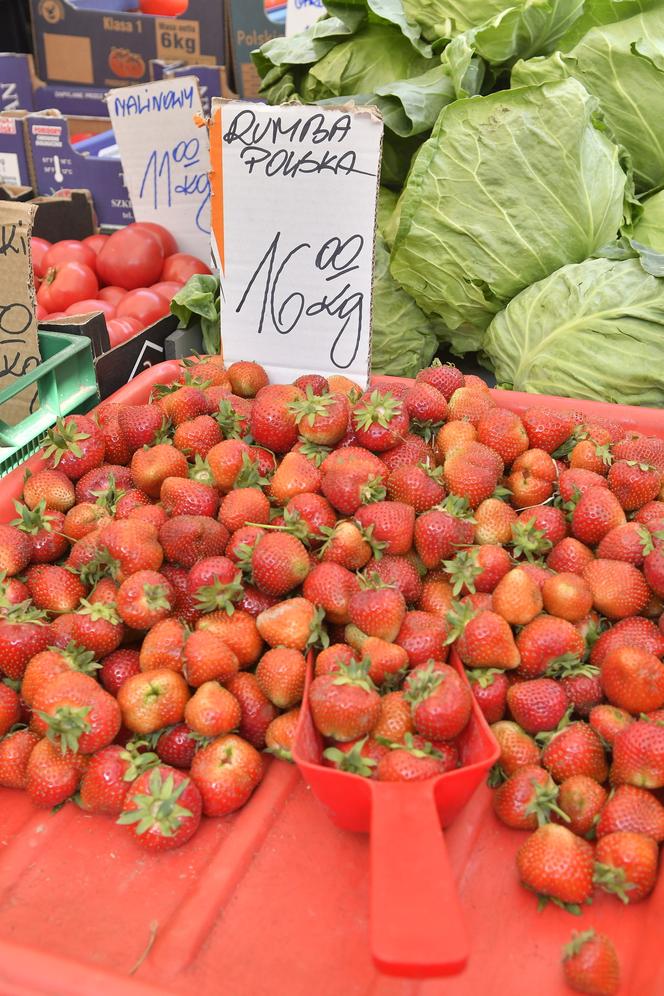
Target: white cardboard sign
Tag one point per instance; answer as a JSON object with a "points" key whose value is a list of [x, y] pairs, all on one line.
{"points": [[165, 157], [293, 218], [300, 14]]}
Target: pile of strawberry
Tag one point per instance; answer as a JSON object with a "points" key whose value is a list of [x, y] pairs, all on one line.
{"points": [[168, 573]]}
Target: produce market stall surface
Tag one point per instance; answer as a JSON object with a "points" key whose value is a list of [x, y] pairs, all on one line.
{"points": [[274, 898]]}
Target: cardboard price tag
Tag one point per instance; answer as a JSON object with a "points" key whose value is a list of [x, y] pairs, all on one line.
{"points": [[293, 215], [300, 14], [19, 348], [165, 158]]}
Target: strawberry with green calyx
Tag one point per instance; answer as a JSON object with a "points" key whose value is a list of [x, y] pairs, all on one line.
{"points": [[527, 799], [529, 542], [442, 530], [226, 772], [24, 632], [574, 749], [350, 545], [48, 663], [489, 687], [446, 378], [97, 626], [322, 419], [634, 483], [144, 599], [215, 584], [349, 488], [12, 592], [632, 632], [581, 799], [51, 777], [294, 623], [163, 809], [280, 735], [590, 964], [108, 777], [345, 705], [379, 420], [10, 708], [638, 755], [232, 420], [377, 609], [484, 639], [547, 429], [50, 486], [626, 865], [517, 748], [478, 568], [538, 705], [312, 451], [440, 701], [75, 713], [74, 446], [53, 588], [355, 757], [420, 485], [43, 529], [393, 524], [414, 760], [558, 866]]}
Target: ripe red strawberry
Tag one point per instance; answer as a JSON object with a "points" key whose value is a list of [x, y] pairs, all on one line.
{"points": [[532, 478], [151, 467], [419, 485], [619, 589], [537, 530], [272, 422], [214, 584], [186, 539], [633, 632], [108, 778], [630, 542], [590, 964], [487, 641], [117, 668], [10, 708], [131, 500], [116, 447], [544, 640], [401, 573], [134, 545], [197, 436], [318, 384], [527, 799], [470, 403], [106, 483], [597, 512], [344, 705], [257, 712], [46, 665], [446, 378], [45, 530], [557, 865], [321, 418], [517, 597], [575, 481], [537, 705], [652, 511], [626, 865], [75, 713], [426, 406], [51, 776], [547, 429], [330, 586], [180, 496], [517, 749], [478, 568], [182, 404], [206, 657], [329, 659], [582, 686], [438, 534], [440, 700], [280, 674], [23, 633], [504, 432], [247, 378], [280, 563], [489, 687], [231, 464], [472, 472], [84, 519], [380, 420], [632, 809], [176, 746], [226, 773], [12, 592], [243, 505], [608, 721], [296, 475], [393, 524], [144, 599], [569, 556], [493, 522], [54, 588], [153, 700], [280, 735], [15, 750], [212, 711], [638, 755], [162, 808], [634, 483], [309, 517], [581, 800], [74, 446], [51, 487], [567, 596], [140, 425], [453, 436], [239, 632], [377, 610], [633, 679], [575, 750], [653, 570], [346, 489], [424, 637]]}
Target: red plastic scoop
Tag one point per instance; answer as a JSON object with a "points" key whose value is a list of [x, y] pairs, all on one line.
{"points": [[417, 927]]}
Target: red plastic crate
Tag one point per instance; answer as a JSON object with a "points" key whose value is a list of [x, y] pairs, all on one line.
{"points": [[274, 899]]}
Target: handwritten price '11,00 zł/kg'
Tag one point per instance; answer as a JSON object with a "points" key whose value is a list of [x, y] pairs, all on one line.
{"points": [[334, 260]]}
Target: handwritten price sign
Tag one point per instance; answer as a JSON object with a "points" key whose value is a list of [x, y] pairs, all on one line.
{"points": [[294, 213], [19, 349], [165, 157]]}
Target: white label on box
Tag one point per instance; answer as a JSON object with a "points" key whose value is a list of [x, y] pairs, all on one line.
{"points": [[294, 215], [10, 172], [300, 14], [165, 157]]}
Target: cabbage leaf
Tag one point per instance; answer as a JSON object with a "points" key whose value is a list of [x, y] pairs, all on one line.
{"points": [[649, 229]]}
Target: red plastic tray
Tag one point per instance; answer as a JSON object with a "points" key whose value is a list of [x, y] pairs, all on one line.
{"points": [[274, 899]]}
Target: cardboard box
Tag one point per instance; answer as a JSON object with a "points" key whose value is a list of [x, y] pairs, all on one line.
{"points": [[57, 165], [251, 24], [106, 49], [21, 88], [212, 80], [63, 217], [14, 163]]}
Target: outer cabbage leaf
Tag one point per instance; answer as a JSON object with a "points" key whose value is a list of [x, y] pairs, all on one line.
{"points": [[591, 330], [597, 12], [622, 64], [508, 188], [649, 229]]}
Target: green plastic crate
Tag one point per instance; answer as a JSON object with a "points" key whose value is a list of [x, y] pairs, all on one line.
{"points": [[66, 383]]}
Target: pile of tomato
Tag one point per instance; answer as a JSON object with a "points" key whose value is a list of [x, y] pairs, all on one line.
{"points": [[130, 277]]}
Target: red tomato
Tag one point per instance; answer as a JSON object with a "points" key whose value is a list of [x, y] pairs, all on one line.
{"points": [[67, 284], [181, 266], [167, 288], [90, 305], [132, 257], [122, 329], [144, 304], [112, 294], [70, 251], [168, 243], [95, 242], [39, 249], [164, 8]]}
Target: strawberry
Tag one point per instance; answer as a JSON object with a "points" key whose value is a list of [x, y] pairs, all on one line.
{"points": [[331, 586], [478, 568], [51, 487], [653, 570], [280, 735], [419, 485], [547, 429], [242, 505], [176, 746], [597, 512], [517, 749], [638, 755], [295, 475], [557, 865], [205, 368], [634, 483], [356, 757], [436, 596], [280, 563], [469, 404], [633, 679], [212, 711], [393, 524], [75, 713], [226, 772], [590, 964], [10, 708], [423, 635], [247, 378], [182, 404], [567, 596], [380, 421], [54, 588], [197, 436], [575, 481], [355, 457], [575, 750], [135, 545], [186, 539], [44, 528], [163, 808], [446, 378], [412, 761], [257, 712], [131, 500], [52, 777], [633, 632], [652, 511], [632, 809], [487, 641], [489, 687], [151, 467], [74, 446], [592, 453], [626, 865], [532, 478], [581, 800], [438, 534], [116, 447], [162, 646], [504, 432], [440, 701], [527, 799], [395, 719], [153, 700], [144, 599], [106, 483], [231, 461], [272, 422], [517, 598], [83, 519], [214, 584], [206, 657], [15, 751], [472, 472], [346, 489], [140, 425], [318, 384], [493, 522], [537, 705], [12, 592], [401, 573], [180, 496], [23, 633], [545, 639], [329, 659], [631, 542], [46, 665], [238, 631], [344, 705], [280, 674], [582, 686], [608, 721], [643, 449], [377, 610], [108, 778], [117, 668], [569, 556], [619, 589], [321, 418]]}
